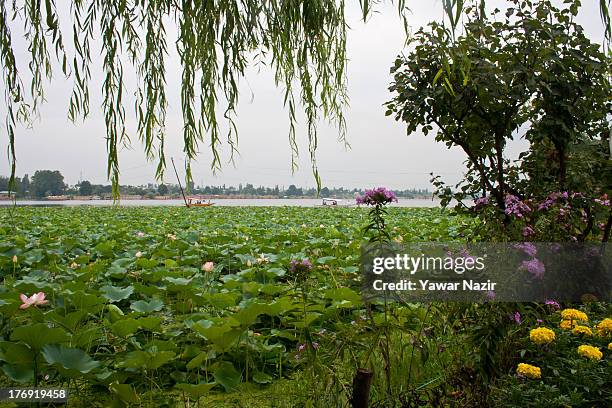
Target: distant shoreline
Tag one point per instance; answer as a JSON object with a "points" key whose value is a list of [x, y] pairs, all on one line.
{"points": [[202, 196]]}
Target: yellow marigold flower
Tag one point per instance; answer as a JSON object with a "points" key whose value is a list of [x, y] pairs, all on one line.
{"points": [[582, 330], [542, 335], [604, 328], [573, 314], [590, 352], [610, 346], [528, 370], [567, 324]]}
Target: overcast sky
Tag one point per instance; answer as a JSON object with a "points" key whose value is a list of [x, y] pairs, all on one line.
{"points": [[381, 154]]}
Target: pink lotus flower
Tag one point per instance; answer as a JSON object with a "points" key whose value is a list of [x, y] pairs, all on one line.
{"points": [[208, 266], [34, 300], [140, 234]]}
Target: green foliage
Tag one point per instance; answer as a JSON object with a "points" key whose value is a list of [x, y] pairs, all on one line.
{"points": [[162, 189], [532, 74], [47, 182], [85, 188], [117, 323]]}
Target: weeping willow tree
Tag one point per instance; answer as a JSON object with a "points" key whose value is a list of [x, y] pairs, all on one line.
{"points": [[303, 41]]}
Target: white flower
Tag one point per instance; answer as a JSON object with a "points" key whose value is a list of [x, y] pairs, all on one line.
{"points": [[208, 266], [140, 234], [138, 254]]}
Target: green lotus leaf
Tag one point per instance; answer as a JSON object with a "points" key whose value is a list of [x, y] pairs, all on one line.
{"points": [[116, 294], [226, 375], [142, 306], [262, 378], [196, 390], [70, 359], [38, 335], [125, 392], [125, 327], [18, 373], [150, 359]]}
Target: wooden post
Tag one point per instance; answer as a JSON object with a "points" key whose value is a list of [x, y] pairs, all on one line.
{"points": [[361, 388]]}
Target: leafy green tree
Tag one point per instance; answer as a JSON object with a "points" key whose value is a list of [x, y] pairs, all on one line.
{"points": [[25, 184], [530, 74], [47, 182], [292, 191], [162, 189], [85, 188], [4, 183]]}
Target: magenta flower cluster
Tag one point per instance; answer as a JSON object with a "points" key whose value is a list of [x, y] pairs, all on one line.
{"points": [[300, 266], [535, 267], [377, 196], [603, 200], [481, 202], [553, 198], [516, 207]]}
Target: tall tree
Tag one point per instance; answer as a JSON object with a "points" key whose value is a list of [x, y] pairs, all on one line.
{"points": [[532, 74], [85, 188], [162, 189], [47, 182], [25, 184]]}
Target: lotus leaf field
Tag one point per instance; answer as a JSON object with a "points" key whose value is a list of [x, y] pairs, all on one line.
{"points": [[136, 314]]}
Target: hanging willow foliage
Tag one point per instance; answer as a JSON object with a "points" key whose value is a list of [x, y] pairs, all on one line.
{"points": [[304, 40]]}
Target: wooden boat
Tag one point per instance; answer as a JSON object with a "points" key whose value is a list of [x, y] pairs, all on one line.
{"points": [[334, 203], [193, 201], [196, 201]]}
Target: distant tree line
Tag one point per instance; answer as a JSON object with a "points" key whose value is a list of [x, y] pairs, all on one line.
{"points": [[45, 183]]}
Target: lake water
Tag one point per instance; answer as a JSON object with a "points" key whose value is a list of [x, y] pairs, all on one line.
{"points": [[228, 202]]}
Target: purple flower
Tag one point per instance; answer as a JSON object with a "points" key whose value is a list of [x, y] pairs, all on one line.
{"points": [[301, 347], [490, 295], [377, 196], [514, 206], [603, 200], [534, 266], [481, 202], [516, 316], [553, 304], [528, 248], [539, 321], [552, 199], [315, 345], [300, 266], [528, 231]]}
